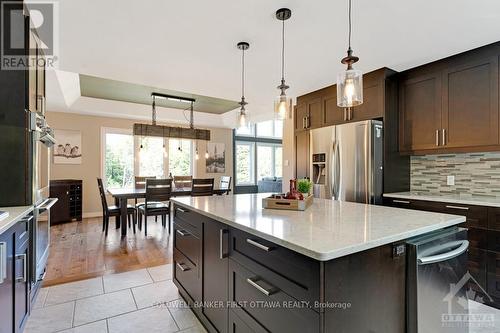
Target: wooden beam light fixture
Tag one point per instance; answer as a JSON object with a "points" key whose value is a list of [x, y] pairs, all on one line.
{"points": [[171, 131]]}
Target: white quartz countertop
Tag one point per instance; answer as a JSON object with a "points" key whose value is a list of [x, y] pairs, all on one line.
{"points": [[449, 198], [15, 214], [326, 230]]}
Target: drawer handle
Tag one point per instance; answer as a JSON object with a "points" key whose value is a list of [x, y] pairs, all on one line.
{"points": [[183, 233], [182, 268], [181, 210], [24, 277], [267, 292], [401, 201], [3, 261], [259, 245], [222, 254], [458, 207]]}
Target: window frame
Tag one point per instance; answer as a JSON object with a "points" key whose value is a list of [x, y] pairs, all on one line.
{"points": [[112, 130], [253, 163], [251, 188], [273, 146]]}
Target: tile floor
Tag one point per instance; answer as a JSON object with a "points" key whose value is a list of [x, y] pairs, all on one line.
{"points": [[144, 300]]}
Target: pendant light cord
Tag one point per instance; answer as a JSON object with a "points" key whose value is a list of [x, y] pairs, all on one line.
{"points": [[349, 24], [243, 72], [283, 51]]}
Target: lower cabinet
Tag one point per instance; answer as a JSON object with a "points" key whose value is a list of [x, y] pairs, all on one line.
{"points": [[237, 282], [484, 242], [14, 280], [261, 302], [7, 282], [215, 274]]}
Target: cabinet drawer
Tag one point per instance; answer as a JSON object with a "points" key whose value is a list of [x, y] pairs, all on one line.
{"points": [[478, 238], [189, 217], [187, 274], [298, 274], [267, 303], [477, 216], [187, 242], [477, 266], [494, 274], [238, 325], [493, 240], [494, 218]]}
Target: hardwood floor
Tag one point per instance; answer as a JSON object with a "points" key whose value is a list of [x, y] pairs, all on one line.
{"points": [[79, 250]]}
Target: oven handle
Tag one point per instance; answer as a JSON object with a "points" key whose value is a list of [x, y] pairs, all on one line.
{"points": [[47, 204], [463, 245]]}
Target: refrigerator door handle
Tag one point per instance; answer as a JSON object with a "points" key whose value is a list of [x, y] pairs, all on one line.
{"points": [[335, 170]]}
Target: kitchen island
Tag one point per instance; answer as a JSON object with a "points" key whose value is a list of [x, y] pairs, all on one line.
{"points": [[336, 267]]}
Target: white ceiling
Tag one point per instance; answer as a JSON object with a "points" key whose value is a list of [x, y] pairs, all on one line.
{"points": [[190, 46]]}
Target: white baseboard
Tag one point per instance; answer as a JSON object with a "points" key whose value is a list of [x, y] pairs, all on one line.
{"points": [[91, 214]]}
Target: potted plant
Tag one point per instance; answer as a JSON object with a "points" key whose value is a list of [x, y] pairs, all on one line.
{"points": [[304, 186]]}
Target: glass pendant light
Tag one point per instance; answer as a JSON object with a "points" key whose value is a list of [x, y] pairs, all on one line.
{"points": [[197, 156], [243, 119], [350, 81], [283, 104], [165, 151]]}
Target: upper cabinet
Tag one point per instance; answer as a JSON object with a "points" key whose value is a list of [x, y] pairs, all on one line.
{"points": [[451, 105], [319, 108], [420, 112], [470, 104]]}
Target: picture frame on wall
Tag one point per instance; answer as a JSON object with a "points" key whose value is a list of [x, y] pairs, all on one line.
{"points": [[68, 147], [216, 161]]}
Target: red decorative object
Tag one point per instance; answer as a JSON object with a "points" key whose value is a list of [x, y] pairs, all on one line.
{"points": [[294, 194]]}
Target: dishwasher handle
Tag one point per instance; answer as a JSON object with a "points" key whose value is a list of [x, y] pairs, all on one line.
{"points": [[459, 247]]}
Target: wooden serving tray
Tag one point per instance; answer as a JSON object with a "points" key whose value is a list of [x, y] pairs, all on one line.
{"points": [[288, 204]]}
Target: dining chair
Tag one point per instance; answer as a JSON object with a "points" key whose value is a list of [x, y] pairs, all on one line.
{"points": [[202, 187], [225, 183], [158, 192], [110, 211], [140, 183], [183, 182]]}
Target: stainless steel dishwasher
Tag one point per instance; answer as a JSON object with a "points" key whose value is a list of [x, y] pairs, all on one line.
{"points": [[437, 282]]}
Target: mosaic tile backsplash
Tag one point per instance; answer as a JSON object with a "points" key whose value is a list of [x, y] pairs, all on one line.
{"points": [[475, 174]]}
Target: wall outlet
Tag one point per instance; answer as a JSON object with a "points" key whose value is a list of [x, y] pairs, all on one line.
{"points": [[450, 180]]}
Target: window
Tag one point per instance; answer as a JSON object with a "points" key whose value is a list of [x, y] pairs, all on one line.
{"points": [[269, 164], [245, 163], [258, 154], [270, 129], [246, 131], [118, 159], [151, 160], [180, 157], [265, 129]]}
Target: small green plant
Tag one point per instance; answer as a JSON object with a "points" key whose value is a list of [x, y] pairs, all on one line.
{"points": [[304, 185]]}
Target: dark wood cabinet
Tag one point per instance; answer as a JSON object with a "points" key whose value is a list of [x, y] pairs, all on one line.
{"points": [[301, 114], [470, 104], [249, 284], [332, 114], [420, 112], [15, 287], [314, 113], [7, 283], [302, 154], [215, 273], [451, 105], [380, 89], [69, 206], [484, 238]]}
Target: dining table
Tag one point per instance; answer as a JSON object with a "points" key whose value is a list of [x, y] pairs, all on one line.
{"points": [[122, 195]]}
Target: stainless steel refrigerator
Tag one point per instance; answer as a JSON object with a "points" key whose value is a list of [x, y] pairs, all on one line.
{"points": [[347, 162]]}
